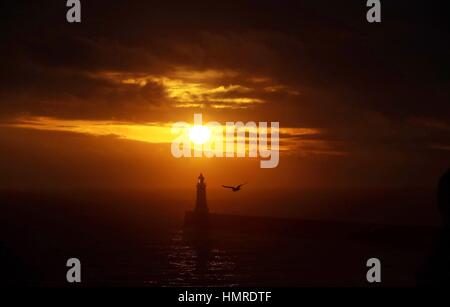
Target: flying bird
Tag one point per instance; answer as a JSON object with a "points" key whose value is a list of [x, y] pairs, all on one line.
{"points": [[234, 189]]}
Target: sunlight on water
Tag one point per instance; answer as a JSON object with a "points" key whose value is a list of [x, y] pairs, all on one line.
{"points": [[195, 261]]}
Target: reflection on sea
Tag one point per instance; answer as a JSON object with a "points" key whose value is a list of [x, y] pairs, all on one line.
{"points": [[195, 260]]}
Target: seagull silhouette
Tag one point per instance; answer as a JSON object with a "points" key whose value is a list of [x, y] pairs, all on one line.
{"points": [[234, 189]]}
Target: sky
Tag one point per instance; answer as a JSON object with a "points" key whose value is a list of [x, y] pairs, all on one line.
{"points": [[91, 105]]}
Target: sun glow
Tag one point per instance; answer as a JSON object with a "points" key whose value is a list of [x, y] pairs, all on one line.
{"points": [[199, 134], [293, 140]]}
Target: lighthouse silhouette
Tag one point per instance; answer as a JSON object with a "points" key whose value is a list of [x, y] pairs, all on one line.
{"points": [[201, 208], [198, 218]]}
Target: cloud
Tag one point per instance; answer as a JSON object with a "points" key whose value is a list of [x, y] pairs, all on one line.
{"points": [[293, 141]]}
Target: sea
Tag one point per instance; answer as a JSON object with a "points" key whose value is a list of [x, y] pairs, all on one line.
{"points": [[137, 239]]}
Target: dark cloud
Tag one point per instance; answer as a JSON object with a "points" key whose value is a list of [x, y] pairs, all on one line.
{"points": [[393, 67]]}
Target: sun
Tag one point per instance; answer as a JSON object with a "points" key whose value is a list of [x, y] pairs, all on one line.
{"points": [[199, 134]]}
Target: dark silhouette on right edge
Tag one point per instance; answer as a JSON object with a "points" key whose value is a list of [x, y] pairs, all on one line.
{"points": [[437, 270]]}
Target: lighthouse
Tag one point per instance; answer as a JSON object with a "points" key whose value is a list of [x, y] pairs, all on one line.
{"points": [[201, 208], [197, 219]]}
